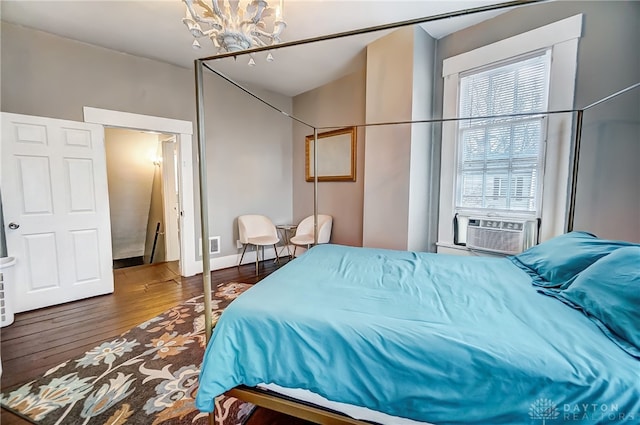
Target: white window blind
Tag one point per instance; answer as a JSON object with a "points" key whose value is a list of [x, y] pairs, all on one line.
{"points": [[500, 156]]}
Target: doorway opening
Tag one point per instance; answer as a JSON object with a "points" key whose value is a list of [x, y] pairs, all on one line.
{"points": [[178, 150], [143, 196]]}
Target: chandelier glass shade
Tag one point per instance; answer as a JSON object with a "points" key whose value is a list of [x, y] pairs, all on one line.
{"points": [[234, 25]]}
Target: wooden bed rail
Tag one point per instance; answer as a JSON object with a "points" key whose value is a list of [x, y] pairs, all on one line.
{"points": [[288, 406]]}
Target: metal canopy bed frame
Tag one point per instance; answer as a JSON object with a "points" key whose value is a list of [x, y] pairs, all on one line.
{"points": [[271, 400]]}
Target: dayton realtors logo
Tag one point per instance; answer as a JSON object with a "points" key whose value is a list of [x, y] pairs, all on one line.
{"points": [[543, 409]]}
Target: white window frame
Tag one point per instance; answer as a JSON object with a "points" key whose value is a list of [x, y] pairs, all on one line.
{"points": [[540, 179], [562, 38]]}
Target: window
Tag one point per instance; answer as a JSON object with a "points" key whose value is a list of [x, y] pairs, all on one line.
{"points": [[518, 167], [501, 156]]}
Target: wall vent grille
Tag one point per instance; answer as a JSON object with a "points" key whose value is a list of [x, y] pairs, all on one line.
{"points": [[214, 245]]}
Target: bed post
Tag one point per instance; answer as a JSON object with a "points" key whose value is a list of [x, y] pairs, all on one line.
{"points": [[315, 186], [574, 171], [204, 213], [204, 206]]}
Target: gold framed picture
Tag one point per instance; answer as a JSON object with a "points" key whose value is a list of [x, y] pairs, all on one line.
{"points": [[336, 156]]}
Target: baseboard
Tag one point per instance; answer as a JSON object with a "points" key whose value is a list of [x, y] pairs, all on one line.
{"points": [[227, 261]]}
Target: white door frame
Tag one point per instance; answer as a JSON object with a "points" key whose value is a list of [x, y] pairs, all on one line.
{"points": [[184, 132], [170, 209]]}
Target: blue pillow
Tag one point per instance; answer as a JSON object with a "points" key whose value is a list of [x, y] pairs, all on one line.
{"points": [[556, 262], [608, 292]]}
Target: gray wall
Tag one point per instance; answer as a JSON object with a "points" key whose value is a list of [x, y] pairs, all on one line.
{"points": [[249, 161], [423, 205], [249, 168], [608, 60], [388, 148], [340, 103], [608, 198], [396, 205]]}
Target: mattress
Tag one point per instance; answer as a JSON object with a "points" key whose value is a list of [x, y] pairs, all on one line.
{"points": [[427, 337], [355, 412]]}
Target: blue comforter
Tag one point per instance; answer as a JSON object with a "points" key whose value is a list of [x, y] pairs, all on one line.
{"points": [[430, 337]]}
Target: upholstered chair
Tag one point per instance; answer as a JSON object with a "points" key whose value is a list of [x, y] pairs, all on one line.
{"points": [[259, 231], [304, 232]]}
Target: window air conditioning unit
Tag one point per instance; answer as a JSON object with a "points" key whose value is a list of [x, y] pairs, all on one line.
{"points": [[502, 236]]}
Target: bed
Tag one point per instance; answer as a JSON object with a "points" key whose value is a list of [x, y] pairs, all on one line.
{"points": [[412, 338], [408, 337]]}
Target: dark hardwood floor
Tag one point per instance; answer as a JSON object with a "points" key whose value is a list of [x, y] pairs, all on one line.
{"points": [[41, 339]]}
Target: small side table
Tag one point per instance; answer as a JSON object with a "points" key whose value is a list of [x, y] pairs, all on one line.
{"points": [[286, 230]]}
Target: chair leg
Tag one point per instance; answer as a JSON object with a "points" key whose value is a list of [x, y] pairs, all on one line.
{"points": [[242, 256], [277, 256], [257, 258], [294, 252]]}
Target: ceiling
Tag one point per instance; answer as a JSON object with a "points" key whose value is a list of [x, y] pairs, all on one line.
{"points": [[153, 29]]}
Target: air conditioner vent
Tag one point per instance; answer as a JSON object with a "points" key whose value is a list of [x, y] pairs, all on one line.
{"points": [[501, 236]]}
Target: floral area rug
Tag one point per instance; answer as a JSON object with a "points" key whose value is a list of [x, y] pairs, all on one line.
{"points": [[148, 375]]}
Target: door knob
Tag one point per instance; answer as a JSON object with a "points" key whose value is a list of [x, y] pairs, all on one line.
{"points": [[13, 226]]}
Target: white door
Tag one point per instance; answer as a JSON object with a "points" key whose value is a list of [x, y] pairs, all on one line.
{"points": [[56, 210]]}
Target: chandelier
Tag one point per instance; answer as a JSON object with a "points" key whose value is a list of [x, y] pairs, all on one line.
{"points": [[234, 25]]}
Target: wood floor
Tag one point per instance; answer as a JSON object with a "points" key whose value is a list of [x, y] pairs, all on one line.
{"points": [[41, 339]]}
